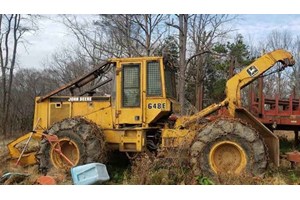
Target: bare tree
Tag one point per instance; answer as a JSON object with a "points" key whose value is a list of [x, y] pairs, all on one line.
{"points": [[204, 31], [276, 40], [150, 31], [89, 38], [133, 35], [65, 65], [182, 28], [200, 32], [12, 30], [27, 84], [296, 69]]}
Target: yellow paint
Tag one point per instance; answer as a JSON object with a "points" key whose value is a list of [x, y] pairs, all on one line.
{"points": [[69, 149], [230, 153], [242, 79], [159, 108], [172, 138], [27, 158]]}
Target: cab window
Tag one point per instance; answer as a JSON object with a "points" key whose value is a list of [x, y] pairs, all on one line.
{"points": [[153, 79], [170, 83], [131, 85]]}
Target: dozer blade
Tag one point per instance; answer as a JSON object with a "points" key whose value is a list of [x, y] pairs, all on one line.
{"points": [[23, 155], [270, 139]]}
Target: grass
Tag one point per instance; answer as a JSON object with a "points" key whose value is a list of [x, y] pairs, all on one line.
{"points": [[117, 167], [167, 168]]}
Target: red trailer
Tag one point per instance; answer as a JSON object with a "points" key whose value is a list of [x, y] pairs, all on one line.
{"points": [[276, 113]]}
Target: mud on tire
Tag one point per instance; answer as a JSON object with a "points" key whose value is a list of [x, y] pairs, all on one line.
{"points": [[228, 132], [86, 135]]}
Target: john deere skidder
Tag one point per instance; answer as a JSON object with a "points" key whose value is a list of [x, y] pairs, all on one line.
{"points": [[80, 128]]}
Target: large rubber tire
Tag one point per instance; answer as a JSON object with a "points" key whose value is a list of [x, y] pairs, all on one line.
{"points": [[228, 146], [82, 141]]}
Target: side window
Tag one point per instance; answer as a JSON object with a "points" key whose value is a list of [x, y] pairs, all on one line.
{"points": [[153, 79], [131, 85], [170, 83]]}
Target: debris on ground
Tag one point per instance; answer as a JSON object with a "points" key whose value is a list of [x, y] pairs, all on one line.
{"points": [[293, 157], [89, 174], [46, 180], [12, 178]]}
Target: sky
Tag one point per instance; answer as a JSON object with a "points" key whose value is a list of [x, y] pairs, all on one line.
{"points": [[53, 36], [49, 38], [258, 26]]}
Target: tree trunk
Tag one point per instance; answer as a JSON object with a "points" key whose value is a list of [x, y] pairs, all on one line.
{"points": [[199, 95], [17, 19], [147, 33], [8, 60], [199, 89], [4, 67], [182, 58]]}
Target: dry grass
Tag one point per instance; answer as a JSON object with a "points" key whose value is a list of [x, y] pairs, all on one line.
{"points": [[4, 156], [167, 168], [152, 173]]}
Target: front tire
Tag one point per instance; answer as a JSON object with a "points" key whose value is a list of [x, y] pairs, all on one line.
{"points": [[228, 146]]}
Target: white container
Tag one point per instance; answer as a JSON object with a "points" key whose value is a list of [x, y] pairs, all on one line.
{"points": [[89, 174]]}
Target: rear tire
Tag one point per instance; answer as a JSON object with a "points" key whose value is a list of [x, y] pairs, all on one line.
{"points": [[228, 146], [81, 141]]}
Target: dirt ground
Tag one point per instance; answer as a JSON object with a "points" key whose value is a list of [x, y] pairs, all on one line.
{"points": [[284, 175]]}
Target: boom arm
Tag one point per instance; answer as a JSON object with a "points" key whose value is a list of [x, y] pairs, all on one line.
{"points": [[82, 80], [241, 80], [253, 72]]}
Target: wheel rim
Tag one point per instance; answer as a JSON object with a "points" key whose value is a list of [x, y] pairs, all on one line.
{"points": [[69, 149], [227, 157]]}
